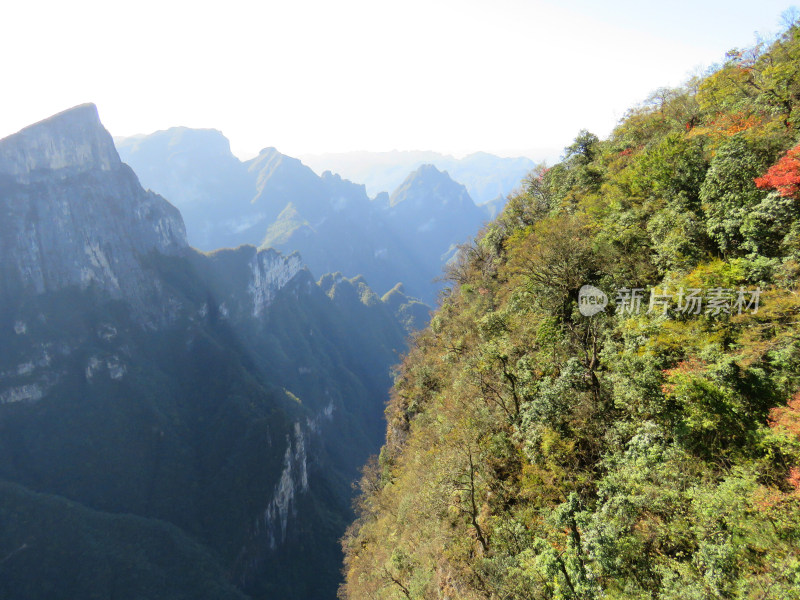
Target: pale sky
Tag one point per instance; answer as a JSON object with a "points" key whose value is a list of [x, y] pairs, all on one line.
{"points": [[513, 77]]}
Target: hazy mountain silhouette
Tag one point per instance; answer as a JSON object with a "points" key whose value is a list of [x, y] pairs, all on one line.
{"points": [[487, 177], [276, 201]]}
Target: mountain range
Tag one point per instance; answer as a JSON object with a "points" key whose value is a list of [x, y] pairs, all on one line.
{"points": [[274, 200], [488, 178], [173, 423]]}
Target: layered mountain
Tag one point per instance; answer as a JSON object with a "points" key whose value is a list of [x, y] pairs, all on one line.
{"points": [[487, 177], [173, 423], [406, 238], [276, 201]]}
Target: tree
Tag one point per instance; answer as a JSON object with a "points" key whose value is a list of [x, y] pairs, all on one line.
{"points": [[784, 175], [728, 192]]}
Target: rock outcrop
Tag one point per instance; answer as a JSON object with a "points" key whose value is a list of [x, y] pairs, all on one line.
{"points": [[75, 215], [73, 141]]}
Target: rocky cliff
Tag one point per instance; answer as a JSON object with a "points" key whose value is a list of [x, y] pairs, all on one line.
{"points": [[74, 215], [180, 424], [276, 201], [70, 142]]}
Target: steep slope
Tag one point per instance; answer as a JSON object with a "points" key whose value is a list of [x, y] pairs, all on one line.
{"points": [[76, 216], [407, 239], [120, 556], [333, 225], [606, 405], [193, 419], [281, 180], [412, 313]]}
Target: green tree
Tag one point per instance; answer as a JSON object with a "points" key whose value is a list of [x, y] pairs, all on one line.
{"points": [[729, 192]]}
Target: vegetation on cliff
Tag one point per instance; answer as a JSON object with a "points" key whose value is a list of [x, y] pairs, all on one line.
{"points": [[651, 450]]}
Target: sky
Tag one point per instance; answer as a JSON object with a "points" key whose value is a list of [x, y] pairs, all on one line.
{"points": [[512, 77]]}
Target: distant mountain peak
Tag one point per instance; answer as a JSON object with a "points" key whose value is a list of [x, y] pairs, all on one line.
{"points": [[270, 159], [429, 170], [485, 175], [72, 141], [429, 184], [207, 141]]}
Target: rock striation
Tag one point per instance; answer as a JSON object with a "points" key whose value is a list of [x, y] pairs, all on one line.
{"points": [[73, 141], [75, 215]]}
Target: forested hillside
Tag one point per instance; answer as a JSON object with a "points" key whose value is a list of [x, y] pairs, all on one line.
{"points": [[648, 450]]}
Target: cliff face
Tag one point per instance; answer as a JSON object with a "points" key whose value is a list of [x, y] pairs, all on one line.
{"points": [[74, 215], [70, 142], [196, 170], [225, 396], [274, 200]]}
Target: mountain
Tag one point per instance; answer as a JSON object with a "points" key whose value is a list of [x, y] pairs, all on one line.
{"points": [[607, 402], [196, 170], [487, 177], [412, 313], [173, 423], [407, 238], [277, 201], [434, 213], [77, 217]]}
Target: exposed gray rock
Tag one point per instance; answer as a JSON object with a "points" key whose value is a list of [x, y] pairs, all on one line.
{"points": [[75, 215], [244, 281], [293, 481], [70, 142], [174, 415], [23, 393], [270, 272]]}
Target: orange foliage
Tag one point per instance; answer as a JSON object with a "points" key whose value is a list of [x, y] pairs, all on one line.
{"points": [[794, 479], [787, 419], [685, 367], [733, 123], [784, 175]]}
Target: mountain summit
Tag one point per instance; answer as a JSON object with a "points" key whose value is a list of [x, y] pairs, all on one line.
{"points": [[274, 200], [434, 211], [433, 188], [74, 214], [73, 141]]}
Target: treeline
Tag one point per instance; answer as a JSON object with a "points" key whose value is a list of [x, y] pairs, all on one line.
{"points": [[651, 450]]}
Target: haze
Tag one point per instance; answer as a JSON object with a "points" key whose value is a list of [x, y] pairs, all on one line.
{"points": [[509, 77]]}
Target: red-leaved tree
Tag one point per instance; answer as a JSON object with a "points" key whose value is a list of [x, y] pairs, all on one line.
{"points": [[784, 175]]}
